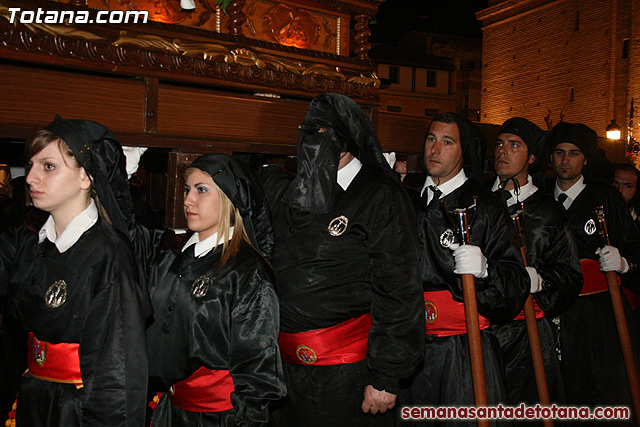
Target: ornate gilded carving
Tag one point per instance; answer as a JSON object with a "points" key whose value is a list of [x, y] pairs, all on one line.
{"points": [[290, 26], [147, 41], [331, 33], [373, 80], [167, 11], [164, 57]]}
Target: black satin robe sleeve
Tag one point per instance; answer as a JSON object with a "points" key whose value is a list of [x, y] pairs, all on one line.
{"points": [[7, 256], [396, 339], [254, 358], [502, 293], [550, 248]]}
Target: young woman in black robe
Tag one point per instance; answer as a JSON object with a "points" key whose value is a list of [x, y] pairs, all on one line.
{"points": [[213, 343], [73, 284]]}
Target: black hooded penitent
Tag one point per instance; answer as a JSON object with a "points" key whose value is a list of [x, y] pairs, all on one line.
{"points": [[334, 123], [244, 191], [598, 166], [101, 156], [535, 139]]}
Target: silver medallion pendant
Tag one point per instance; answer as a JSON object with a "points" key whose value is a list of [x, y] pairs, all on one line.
{"points": [[590, 227], [447, 238], [338, 225], [56, 295], [201, 286]]}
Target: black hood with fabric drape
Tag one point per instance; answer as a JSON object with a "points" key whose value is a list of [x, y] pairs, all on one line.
{"points": [[242, 188], [334, 123], [598, 167], [101, 156], [535, 139]]}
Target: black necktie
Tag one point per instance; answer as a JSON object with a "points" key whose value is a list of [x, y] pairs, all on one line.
{"points": [[436, 193], [561, 198], [503, 195]]}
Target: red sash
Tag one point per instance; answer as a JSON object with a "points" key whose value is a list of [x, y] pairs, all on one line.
{"points": [[205, 390], [444, 316], [539, 312], [595, 281], [58, 363], [345, 342]]}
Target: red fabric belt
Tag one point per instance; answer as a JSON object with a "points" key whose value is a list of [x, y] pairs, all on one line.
{"points": [[205, 390], [539, 312], [444, 316], [345, 342], [595, 281], [58, 363]]}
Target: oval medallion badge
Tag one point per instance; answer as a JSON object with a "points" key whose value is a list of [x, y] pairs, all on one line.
{"points": [[338, 225], [306, 354], [201, 286], [56, 295], [590, 227]]}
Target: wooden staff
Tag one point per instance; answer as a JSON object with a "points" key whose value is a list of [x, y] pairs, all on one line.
{"points": [[473, 326], [621, 320], [532, 331]]}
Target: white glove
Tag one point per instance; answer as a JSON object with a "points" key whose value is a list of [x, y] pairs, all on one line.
{"points": [[469, 260], [536, 280], [610, 260], [132, 156], [187, 4]]}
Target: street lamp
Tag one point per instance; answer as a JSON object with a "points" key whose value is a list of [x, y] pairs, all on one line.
{"points": [[613, 130]]}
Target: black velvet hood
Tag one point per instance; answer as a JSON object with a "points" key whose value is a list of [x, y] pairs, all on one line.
{"points": [[101, 156], [535, 139], [598, 167], [334, 123], [241, 187]]}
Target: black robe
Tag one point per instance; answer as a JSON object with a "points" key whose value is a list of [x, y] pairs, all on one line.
{"points": [[445, 376], [104, 313], [591, 360], [233, 327], [549, 247], [323, 280]]}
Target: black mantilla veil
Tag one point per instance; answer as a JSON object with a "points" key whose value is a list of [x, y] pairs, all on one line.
{"points": [[101, 156], [473, 141], [598, 167], [535, 139], [244, 191], [333, 124]]}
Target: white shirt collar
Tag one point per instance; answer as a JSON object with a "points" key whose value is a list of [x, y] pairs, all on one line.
{"points": [[634, 215], [446, 188], [525, 191], [70, 235], [571, 193], [348, 173], [204, 247]]}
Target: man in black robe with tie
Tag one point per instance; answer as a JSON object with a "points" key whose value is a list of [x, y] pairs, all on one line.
{"points": [[591, 358], [453, 154], [552, 258]]}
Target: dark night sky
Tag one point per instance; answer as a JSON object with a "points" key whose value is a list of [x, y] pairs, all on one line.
{"points": [[452, 17]]}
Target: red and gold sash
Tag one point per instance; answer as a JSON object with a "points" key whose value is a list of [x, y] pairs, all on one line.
{"points": [[58, 363], [345, 342], [444, 316]]}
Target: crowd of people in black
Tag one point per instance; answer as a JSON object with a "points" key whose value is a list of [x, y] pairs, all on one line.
{"points": [[332, 296]]}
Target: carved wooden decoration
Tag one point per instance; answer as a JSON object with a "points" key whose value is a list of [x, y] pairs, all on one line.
{"points": [[236, 17], [362, 37], [291, 26]]}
